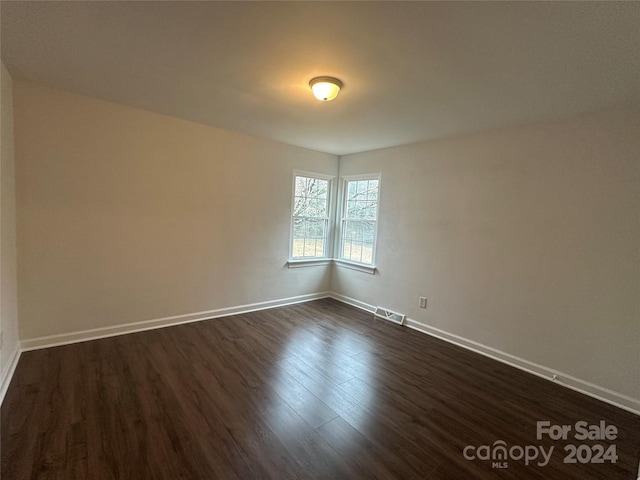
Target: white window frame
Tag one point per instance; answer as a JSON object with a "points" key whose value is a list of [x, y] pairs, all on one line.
{"points": [[348, 263], [329, 222]]}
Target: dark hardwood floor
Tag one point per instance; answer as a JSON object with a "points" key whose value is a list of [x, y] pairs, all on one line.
{"points": [[313, 391]]}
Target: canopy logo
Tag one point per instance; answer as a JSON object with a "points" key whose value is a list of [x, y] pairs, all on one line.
{"points": [[499, 453]]}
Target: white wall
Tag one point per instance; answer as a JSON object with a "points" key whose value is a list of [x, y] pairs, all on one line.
{"points": [[525, 240], [126, 215], [8, 295]]}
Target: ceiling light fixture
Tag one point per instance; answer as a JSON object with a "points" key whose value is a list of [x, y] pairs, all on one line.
{"points": [[325, 88]]}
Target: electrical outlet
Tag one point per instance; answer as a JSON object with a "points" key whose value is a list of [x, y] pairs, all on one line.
{"points": [[422, 302]]}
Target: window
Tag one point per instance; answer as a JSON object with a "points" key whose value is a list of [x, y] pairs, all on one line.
{"points": [[358, 229], [311, 215]]}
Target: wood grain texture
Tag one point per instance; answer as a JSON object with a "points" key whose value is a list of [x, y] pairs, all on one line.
{"points": [[318, 390]]}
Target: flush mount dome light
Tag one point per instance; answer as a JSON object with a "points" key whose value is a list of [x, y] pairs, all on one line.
{"points": [[325, 88]]}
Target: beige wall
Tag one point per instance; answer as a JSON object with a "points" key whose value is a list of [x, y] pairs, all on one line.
{"points": [[524, 239], [8, 289], [126, 216]]}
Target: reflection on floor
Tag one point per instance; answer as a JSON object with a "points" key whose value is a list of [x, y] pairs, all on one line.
{"points": [[316, 390]]}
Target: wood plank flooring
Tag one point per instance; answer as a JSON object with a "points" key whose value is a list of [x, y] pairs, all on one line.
{"points": [[312, 391]]}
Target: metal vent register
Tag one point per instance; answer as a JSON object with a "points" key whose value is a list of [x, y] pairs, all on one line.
{"points": [[394, 317]]}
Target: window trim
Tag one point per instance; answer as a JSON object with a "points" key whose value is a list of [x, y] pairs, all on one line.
{"points": [[338, 259], [308, 262], [360, 267], [296, 262]]}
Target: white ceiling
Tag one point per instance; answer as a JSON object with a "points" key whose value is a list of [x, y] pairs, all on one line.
{"points": [[412, 71]]}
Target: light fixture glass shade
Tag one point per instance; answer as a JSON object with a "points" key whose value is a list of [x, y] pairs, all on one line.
{"points": [[325, 88]]}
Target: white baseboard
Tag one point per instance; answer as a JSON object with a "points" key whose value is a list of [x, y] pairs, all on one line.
{"points": [[353, 302], [96, 333], [601, 393], [619, 400], [7, 373]]}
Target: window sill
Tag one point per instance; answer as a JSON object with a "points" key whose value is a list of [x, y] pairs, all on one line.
{"points": [[316, 262], [360, 267], [308, 262]]}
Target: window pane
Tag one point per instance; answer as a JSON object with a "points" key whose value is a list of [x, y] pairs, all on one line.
{"points": [[301, 186], [359, 220], [309, 238], [311, 197], [310, 217], [300, 206], [358, 238], [317, 207], [362, 199], [365, 210], [373, 189], [322, 188], [352, 188]]}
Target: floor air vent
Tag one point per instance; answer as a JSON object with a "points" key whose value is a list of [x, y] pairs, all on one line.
{"points": [[389, 315]]}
